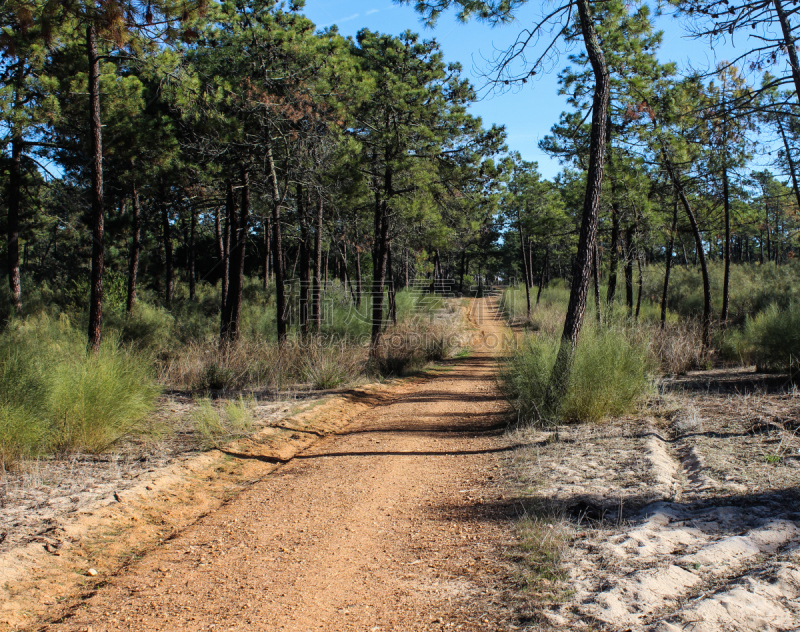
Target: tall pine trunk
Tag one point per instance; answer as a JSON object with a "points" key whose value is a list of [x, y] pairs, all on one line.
{"points": [[543, 275], [302, 255], [668, 265], [380, 253], [525, 266], [97, 221], [789, 44], [277, 249], [192, 255], [628, 250], [727, 251], [613, 258], [169, 268], [267, 251], [233, 305], [232, 225], [597, 301], [582, 269], [136, 248], [698, 239], [14, 198], [316, 294]]}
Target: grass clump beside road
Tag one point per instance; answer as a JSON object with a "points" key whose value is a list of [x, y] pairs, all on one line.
{"points": [[610, 374], [218, 426], [58, 397]]}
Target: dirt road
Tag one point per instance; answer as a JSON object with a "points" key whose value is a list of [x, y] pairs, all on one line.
{"points": [[383, 526]]}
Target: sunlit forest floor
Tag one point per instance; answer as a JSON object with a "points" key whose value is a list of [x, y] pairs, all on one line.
{"points": [[410, 505], [682, 516]]}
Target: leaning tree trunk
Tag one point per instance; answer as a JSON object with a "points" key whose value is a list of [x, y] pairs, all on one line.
{"points": [[582, 269], [14, 197], [97, 221], [698, 239], [136, 248], [789, 44], [525, 266], [668, 266], [790, 160]]}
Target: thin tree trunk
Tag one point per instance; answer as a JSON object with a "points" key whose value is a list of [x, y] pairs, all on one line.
{"points": [[14, 198], [668, 266], [727, 252], [327, 261], [233, 228], [613, 259], [98, 228], [542, 275], [267, 250], [302, 256], [233, 304], [379, 258], [192, 255], [280, 298], [525, 267], [628, 251], [596, 277], [581, 272], [316, 294], [169, 270], [789, 44], [359, 281], [639, 293], [461, 275], [136, 247], [790, 160], [392, 293], [698, 238]]}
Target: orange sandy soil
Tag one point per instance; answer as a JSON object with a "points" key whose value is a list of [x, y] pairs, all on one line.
{"points": [[394, 520]]}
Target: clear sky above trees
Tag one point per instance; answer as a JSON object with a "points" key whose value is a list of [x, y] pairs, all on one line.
{"points": [[527, 114]]}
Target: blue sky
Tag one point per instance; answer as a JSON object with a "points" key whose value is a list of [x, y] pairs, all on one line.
{"points": [[528, 113]]}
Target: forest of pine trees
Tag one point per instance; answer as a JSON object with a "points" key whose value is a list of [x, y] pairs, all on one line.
{"points": [[177, 173]]}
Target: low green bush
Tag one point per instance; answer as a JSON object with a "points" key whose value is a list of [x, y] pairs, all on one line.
{"points": [[611, 372], [217, 427], [55, 395], [772, 338]]}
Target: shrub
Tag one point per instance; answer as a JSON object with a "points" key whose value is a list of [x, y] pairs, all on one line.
{"points": [[610, 373], [96, 399], [218, 428], [772, 338], [678, 347], [332, 365], [57, 396]]}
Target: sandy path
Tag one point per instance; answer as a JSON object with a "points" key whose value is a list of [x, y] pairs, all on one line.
{"points": [[395, 523]]}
